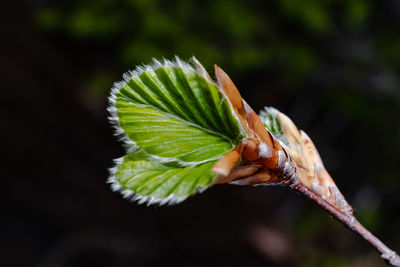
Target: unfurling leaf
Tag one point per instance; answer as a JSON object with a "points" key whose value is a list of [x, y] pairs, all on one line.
{"points": [[144, 180], [182, 124]]}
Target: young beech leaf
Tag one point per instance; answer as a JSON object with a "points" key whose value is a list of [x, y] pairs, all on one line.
{"points": [[144, 180], [269, 117], [182, 124]]}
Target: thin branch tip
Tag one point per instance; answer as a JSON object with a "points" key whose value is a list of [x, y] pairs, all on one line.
{"points": [[349, 221]]}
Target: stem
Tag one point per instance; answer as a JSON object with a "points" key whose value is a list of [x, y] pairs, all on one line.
{"points": [[349, 221]]}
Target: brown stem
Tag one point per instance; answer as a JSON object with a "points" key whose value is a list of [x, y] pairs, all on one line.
{"points": [[349, 221]]}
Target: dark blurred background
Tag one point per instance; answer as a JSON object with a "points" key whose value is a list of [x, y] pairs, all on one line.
{"points": [[332, 66]]}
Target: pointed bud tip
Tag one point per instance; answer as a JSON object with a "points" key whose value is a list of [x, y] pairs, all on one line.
{"points": [[229, 88]]}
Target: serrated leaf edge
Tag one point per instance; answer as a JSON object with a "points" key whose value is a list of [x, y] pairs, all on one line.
{"points": [[129, 144], [132, 196], [113, 118]]}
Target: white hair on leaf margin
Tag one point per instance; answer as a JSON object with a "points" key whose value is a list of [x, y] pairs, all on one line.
{"points": [[132, 196], [131, 146], [112, 99]]}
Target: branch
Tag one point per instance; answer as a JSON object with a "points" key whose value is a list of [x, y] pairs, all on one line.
{"points": [[349, 221]]}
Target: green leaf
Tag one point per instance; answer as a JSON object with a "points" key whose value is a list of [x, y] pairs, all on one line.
{"points": [[141, 179], [173, 113], [269, 117], [182, 124]]}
